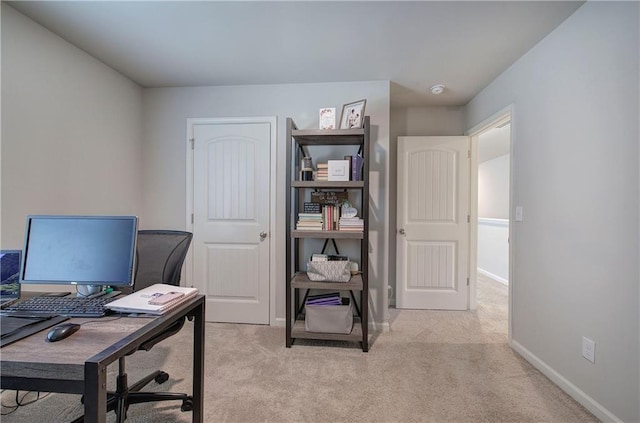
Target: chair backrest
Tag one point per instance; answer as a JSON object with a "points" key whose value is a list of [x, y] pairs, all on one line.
{"points": [[160, 255]]}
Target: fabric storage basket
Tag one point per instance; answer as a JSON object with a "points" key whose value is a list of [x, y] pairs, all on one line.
{"points": [[329, 271], [329, 318]]}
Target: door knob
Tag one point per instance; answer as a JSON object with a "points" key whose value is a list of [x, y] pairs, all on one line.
{"points": [[263, 235], [401, 232]]}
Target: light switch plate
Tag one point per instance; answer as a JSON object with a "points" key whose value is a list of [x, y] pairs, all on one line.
{"points": [[519, 212]]}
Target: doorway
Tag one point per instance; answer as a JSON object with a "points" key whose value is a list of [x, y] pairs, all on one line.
{"points": [[491, 229]]}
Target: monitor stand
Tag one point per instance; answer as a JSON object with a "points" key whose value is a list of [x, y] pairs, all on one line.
{"points": [[89, 290]]}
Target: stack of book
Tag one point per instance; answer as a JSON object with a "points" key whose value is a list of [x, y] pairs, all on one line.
{"points": [[353, 224], [309, 222], [331, 298], [330, 217], [322, 173]]}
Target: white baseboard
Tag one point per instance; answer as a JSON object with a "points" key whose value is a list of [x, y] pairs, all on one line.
{"points": [[378, 327], [585, 400], [494, 277]]}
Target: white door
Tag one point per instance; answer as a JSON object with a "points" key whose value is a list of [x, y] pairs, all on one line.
{"points": [[231, 215], [433, 229]]}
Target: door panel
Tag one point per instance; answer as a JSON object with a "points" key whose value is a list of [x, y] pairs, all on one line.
{"points": [[433, 208], [231, 218]]}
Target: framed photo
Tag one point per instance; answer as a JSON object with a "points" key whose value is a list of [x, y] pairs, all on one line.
{"points": [[352, 115], [328, 118], [339, 170]]}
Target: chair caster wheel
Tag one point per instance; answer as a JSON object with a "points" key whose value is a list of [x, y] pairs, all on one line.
{"points": [[187, 405], [162, 378]]}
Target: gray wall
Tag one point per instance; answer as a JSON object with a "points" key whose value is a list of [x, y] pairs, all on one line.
{"points": [[576, 106], [493, 187], [71, 130], [164, 171]]}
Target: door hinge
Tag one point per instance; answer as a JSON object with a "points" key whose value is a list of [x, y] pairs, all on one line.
{"points": [[468, 154], [192, 218], [468, 219], [467, 281], [192, 141]]}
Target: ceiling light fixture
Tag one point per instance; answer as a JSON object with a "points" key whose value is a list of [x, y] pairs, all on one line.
{"points": [[436, 89]]}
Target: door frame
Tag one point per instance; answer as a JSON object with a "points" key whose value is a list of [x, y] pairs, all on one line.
{"points": [[272, 121], [497, 119]]}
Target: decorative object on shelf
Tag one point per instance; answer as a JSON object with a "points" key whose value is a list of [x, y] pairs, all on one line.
{"points": [[328, 118], [310, 207], [349, 158], [348, 211], [329, 271], [306, 163], [338, 170], [352, 115], [329, 197]]}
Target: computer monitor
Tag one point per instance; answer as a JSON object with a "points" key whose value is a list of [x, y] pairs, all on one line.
{"points": [[80, 250]]}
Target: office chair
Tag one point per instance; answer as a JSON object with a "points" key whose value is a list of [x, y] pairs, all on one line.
{"points": [[160, 255]]}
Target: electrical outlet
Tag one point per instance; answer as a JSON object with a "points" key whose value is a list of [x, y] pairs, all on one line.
{"points": [[589, 349]]}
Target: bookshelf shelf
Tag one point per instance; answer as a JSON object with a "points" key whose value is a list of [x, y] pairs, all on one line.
{"points": [[328, 184], [298, 331], [302, 281], [297, 281], [328, 234]]}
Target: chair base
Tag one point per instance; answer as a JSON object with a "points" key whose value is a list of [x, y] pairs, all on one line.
{"points": [[125, 396]]}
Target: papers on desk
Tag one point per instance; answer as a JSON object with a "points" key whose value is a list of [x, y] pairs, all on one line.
{"points": [[143, 301]]}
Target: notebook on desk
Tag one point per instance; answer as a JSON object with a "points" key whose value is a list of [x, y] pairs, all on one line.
{"points": [[10, 275], [142, 301]]}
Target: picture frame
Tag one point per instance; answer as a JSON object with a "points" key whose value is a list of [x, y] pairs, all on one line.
{"points": [[327, 118], [352, 115], [339, 170]]}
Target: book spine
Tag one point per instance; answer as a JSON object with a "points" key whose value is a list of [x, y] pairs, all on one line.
{"points": [[357, 162]]}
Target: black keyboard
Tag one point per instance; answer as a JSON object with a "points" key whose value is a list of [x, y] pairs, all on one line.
{"points": [[60, 306]]}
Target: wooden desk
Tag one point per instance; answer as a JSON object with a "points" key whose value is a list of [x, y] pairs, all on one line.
{"points": [[78, 364]]}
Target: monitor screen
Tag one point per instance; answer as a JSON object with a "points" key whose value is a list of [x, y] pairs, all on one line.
{"points": [[9, 273], [82, 250]]}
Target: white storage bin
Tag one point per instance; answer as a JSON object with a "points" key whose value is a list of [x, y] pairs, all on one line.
{"points": [[329, 318]]}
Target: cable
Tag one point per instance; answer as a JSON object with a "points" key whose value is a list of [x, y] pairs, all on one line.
{"points": [[102, 320], [20, 401]]}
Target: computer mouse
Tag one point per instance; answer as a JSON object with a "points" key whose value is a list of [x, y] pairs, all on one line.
{"points": [[62, 331]]}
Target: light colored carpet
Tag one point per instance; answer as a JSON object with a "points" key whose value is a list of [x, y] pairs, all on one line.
{"points": [[431, 366]]}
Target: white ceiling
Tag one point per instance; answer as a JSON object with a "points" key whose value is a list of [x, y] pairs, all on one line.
{"points": [[415, 44]]}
